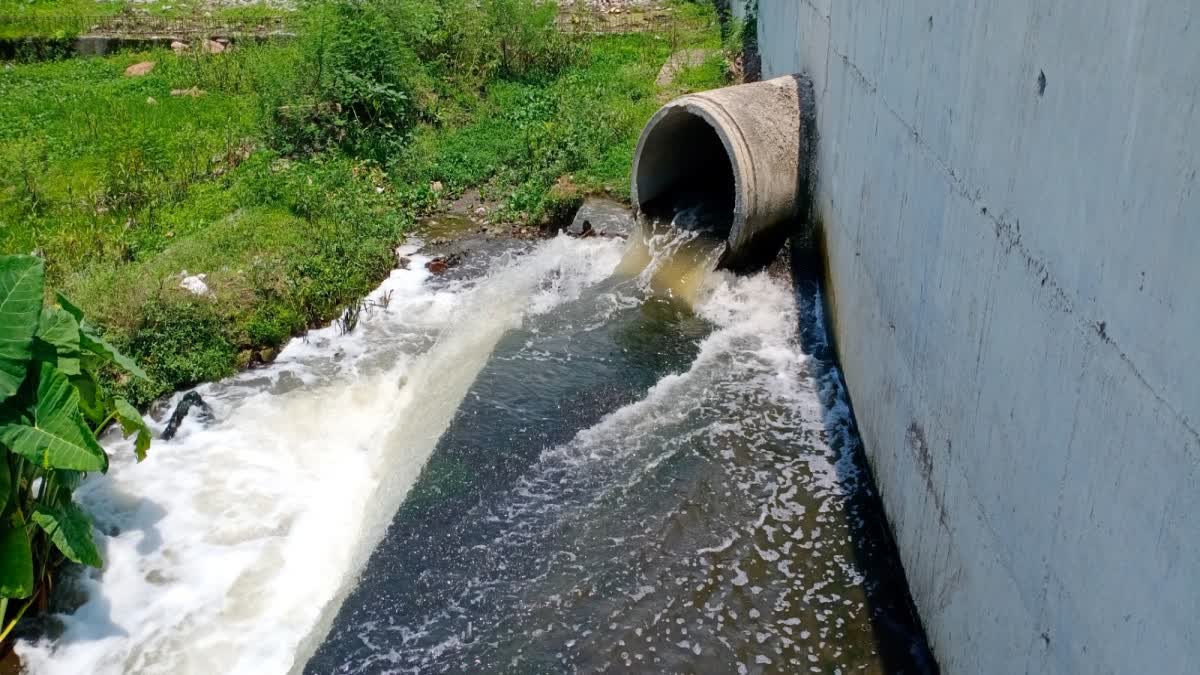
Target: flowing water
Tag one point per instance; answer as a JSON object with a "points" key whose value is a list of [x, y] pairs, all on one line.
{"points": [[581, 455]]}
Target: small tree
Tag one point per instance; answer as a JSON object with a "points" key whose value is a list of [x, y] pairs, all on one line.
{"points": [[51, 408]]}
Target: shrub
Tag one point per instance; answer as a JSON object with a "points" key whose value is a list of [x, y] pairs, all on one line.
{"points": [[361, 92], [377, 68], [180, 342], [528, 41]]}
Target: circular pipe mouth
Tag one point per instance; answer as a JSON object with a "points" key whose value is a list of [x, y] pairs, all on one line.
{"points": [[685, 171], [738, 158]]}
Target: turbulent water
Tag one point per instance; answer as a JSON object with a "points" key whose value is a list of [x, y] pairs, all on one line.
{"points": [[595, 455]]}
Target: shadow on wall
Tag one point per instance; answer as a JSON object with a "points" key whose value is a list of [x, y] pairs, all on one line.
{"points": [[751, 56], [899, 634]]}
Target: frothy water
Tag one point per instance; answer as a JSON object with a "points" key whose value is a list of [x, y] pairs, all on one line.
{"points": [[687, 506], [232, 544], [599, 456]]}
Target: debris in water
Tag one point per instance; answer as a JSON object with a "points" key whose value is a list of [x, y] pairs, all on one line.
{"points": [[440, 264], [185, 404]]}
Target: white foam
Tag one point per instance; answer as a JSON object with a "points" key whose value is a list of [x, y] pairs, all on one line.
{"points": [[265, 517], [232, 546]]}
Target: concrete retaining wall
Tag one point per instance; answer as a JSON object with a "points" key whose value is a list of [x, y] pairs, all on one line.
{"points": [[1011, 206]]}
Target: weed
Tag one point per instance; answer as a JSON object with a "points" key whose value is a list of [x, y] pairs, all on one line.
{"points": [[348, 321]]}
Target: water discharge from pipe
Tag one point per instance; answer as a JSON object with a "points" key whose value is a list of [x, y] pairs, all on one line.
{"points": [[599, 453], [653, 478], [744, 153]]}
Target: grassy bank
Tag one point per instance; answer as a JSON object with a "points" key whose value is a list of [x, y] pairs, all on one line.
{"points": [[57, 18], [67, 18], [291, 177]]}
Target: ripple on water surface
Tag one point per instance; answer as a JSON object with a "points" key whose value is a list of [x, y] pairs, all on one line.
{"points": [[598, 457], [688, 505]]}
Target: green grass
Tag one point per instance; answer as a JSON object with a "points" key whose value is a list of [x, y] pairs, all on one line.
{"points": [[122, 194], [89, 158], [122, 186], [66, 18], [52, 18], [584, 124]]}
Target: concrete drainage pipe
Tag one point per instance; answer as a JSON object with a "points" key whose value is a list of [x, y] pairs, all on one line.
{"points": [[743, 150]]}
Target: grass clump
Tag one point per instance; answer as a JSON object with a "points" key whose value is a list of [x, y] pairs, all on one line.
{"points": [[122, 187], [583, 123], [53, 18]]}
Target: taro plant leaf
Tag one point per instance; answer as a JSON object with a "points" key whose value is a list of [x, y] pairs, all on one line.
{"points": [[16, 559], [21, 279], [70, 307], [5, 481], [57, 436], [91, 396], [91, 340], [71, 531], [131, 421], [60, 330]]}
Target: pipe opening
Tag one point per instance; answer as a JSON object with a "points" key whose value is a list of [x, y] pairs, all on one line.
{"points": [[733, 161], [685, 175]]}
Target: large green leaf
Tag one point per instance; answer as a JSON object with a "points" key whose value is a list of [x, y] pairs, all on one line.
{"points": [[57, 437], [5, 481], [60, 330], [132, 421], [71, 531], [91, 397], [70, 307], [21, 279], [91, 340], [16, 559]]}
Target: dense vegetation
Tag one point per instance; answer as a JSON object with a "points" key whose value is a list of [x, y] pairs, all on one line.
{"points": [[286, 172], [51, 407]]}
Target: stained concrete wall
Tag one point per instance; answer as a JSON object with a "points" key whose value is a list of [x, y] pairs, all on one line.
{"points": [[1010, 200]]}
